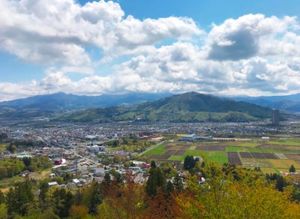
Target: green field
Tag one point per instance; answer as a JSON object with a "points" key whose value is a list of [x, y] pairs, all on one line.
{"points": [[158, 150], [177, 151], [214, 156], [219, 157]]}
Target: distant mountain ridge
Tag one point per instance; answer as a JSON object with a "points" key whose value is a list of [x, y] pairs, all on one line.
{"points": [[146, 106], [288, 103], [43, 105], [187, 107]]}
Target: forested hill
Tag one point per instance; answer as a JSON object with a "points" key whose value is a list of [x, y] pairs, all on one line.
{"points": [[187, 107], [47, 105]]}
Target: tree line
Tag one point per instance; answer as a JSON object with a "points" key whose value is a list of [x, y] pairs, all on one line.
{"points": [[229, 192], [10, 167]]}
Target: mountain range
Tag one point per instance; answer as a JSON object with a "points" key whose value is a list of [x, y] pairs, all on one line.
{"points": [[187, 107], [149, 107], [45, 105], [288, 103]]}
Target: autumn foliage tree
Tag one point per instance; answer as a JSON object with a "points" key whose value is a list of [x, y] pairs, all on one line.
{"points": [[123, 201]]}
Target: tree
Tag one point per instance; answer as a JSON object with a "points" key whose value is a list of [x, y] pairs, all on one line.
{"points": [[178, 184], [189, 162], [156, 180], [168, 170], [20, 198], [2, 197], [10, 167], [162, 205], [37, 213], [115, 143], [107, 179], [3, 211], [62, 201], [280, 183], [153, 164], [43, 202], [231, 170], [78, 211], [27, 161], [93, 196], [124, 201], [169, 188], [224, 197], [117, 176], [11, 148], [292, 169]]}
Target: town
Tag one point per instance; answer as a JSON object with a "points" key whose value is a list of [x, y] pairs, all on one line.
{"points": [[83, 153]]}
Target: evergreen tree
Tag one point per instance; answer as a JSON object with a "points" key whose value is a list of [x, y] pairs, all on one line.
{"points": [[153, 164], [156, 180], [2, 197], [169, 188], [95, 199], [189, 162], [280, 183], [78, 198], [178, 184], [43, 202], [62, 202], [292, 169], [27, 162], [20, 198], [107, 179]]}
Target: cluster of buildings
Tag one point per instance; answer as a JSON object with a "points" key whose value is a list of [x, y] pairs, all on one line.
{"points": [[81, 153]]}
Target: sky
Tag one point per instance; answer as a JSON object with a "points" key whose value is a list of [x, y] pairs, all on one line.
{"points": [[232, 47]]}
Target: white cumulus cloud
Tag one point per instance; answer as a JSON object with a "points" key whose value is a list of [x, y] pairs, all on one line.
{"points": [[253, 54]]}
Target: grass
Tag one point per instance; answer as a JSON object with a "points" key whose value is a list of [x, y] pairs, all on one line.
{"points": [[269, 170], [284, 164], [193, 153], [40, 175], [259, 149], [287, 142], [159, 150], [236, 149], [219, 157], [270, 165], [176, 158], [245, 144]]}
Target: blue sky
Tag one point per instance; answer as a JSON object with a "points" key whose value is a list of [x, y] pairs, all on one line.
{"points": [[94, 47], [206, 12]]}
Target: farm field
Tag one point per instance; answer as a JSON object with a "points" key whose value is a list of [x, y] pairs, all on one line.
{"points": [[276, 155]]}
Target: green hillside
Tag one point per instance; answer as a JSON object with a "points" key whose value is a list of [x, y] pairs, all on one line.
{"points": [[188, 107]]}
